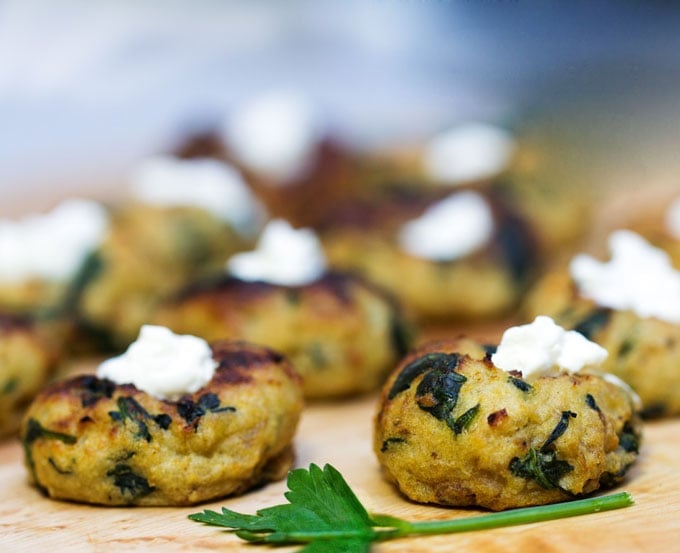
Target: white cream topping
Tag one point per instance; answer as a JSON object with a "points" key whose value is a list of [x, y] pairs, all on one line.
{"points": [[542, 344], [51, 246], [468, 152], [162, 364], [275, 134], [673, 218], [283, 255], [639, 277], [449, 229], [205, 183]]}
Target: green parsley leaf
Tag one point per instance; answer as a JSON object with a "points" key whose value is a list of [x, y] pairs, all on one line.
{"points": [[321, 507], [323, 513]]}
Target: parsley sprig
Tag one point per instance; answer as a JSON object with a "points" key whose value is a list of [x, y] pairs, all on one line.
{"points": [[325, 514]]}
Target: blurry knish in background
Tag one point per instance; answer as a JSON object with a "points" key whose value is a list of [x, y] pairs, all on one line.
{"points": [[88, 88]]}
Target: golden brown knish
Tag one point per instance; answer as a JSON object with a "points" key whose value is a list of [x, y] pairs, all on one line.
{"points": [[33, 295], [643, 351], [149, 253], [363, 236], [46, 307], [90, 440], [453, 429], [340, 333], [27, 359], [304, 201], [559, 207]]}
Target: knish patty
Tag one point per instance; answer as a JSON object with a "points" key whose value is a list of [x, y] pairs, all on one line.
{"points": [[90, 440], [453, 429]]}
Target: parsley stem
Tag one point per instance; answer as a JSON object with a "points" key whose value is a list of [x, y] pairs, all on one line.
{"points": [[322, 508], [507, 518]]}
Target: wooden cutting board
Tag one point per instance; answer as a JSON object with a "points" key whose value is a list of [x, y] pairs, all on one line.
{"points": [[340, 434]]}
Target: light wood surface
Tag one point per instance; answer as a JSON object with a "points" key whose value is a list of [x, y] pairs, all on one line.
{"points": [[340, 434]]}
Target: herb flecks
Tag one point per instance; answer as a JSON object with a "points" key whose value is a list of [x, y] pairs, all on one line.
{"points": [[323, 514], [57, 468], [559, 429], [130, 409], [36, 431], [317, 356], [629, 440], [544, 467], [129, 482], [520, 384], [389, 442], [437, 394], [94, 389], [438, 391], [431, 361], [465, 420], [593, 322], [626, 347], [402, 335], [590, 402], [541, 464], [192, 411], [516, 247], [489, 349], [9, 386]]}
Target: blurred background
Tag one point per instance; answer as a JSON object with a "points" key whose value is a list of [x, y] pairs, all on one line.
{"points": [[87, 88]]}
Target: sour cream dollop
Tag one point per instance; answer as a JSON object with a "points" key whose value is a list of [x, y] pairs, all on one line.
{"points": [[51, 246], [275, 134], [163, 364], [542, 344], [452, 228], [284, 255], [205, 183], [468, 152], [639, 277]]}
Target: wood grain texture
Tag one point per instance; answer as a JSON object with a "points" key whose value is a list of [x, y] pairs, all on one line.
{"points": [[340, 434]]}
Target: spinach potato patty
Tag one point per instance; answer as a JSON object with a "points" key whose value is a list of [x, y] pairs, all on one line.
{"points": [[27, 360], [482, 284], [148, 254], [453, 429], [340, 333], [90, 440], [643, 351]]}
